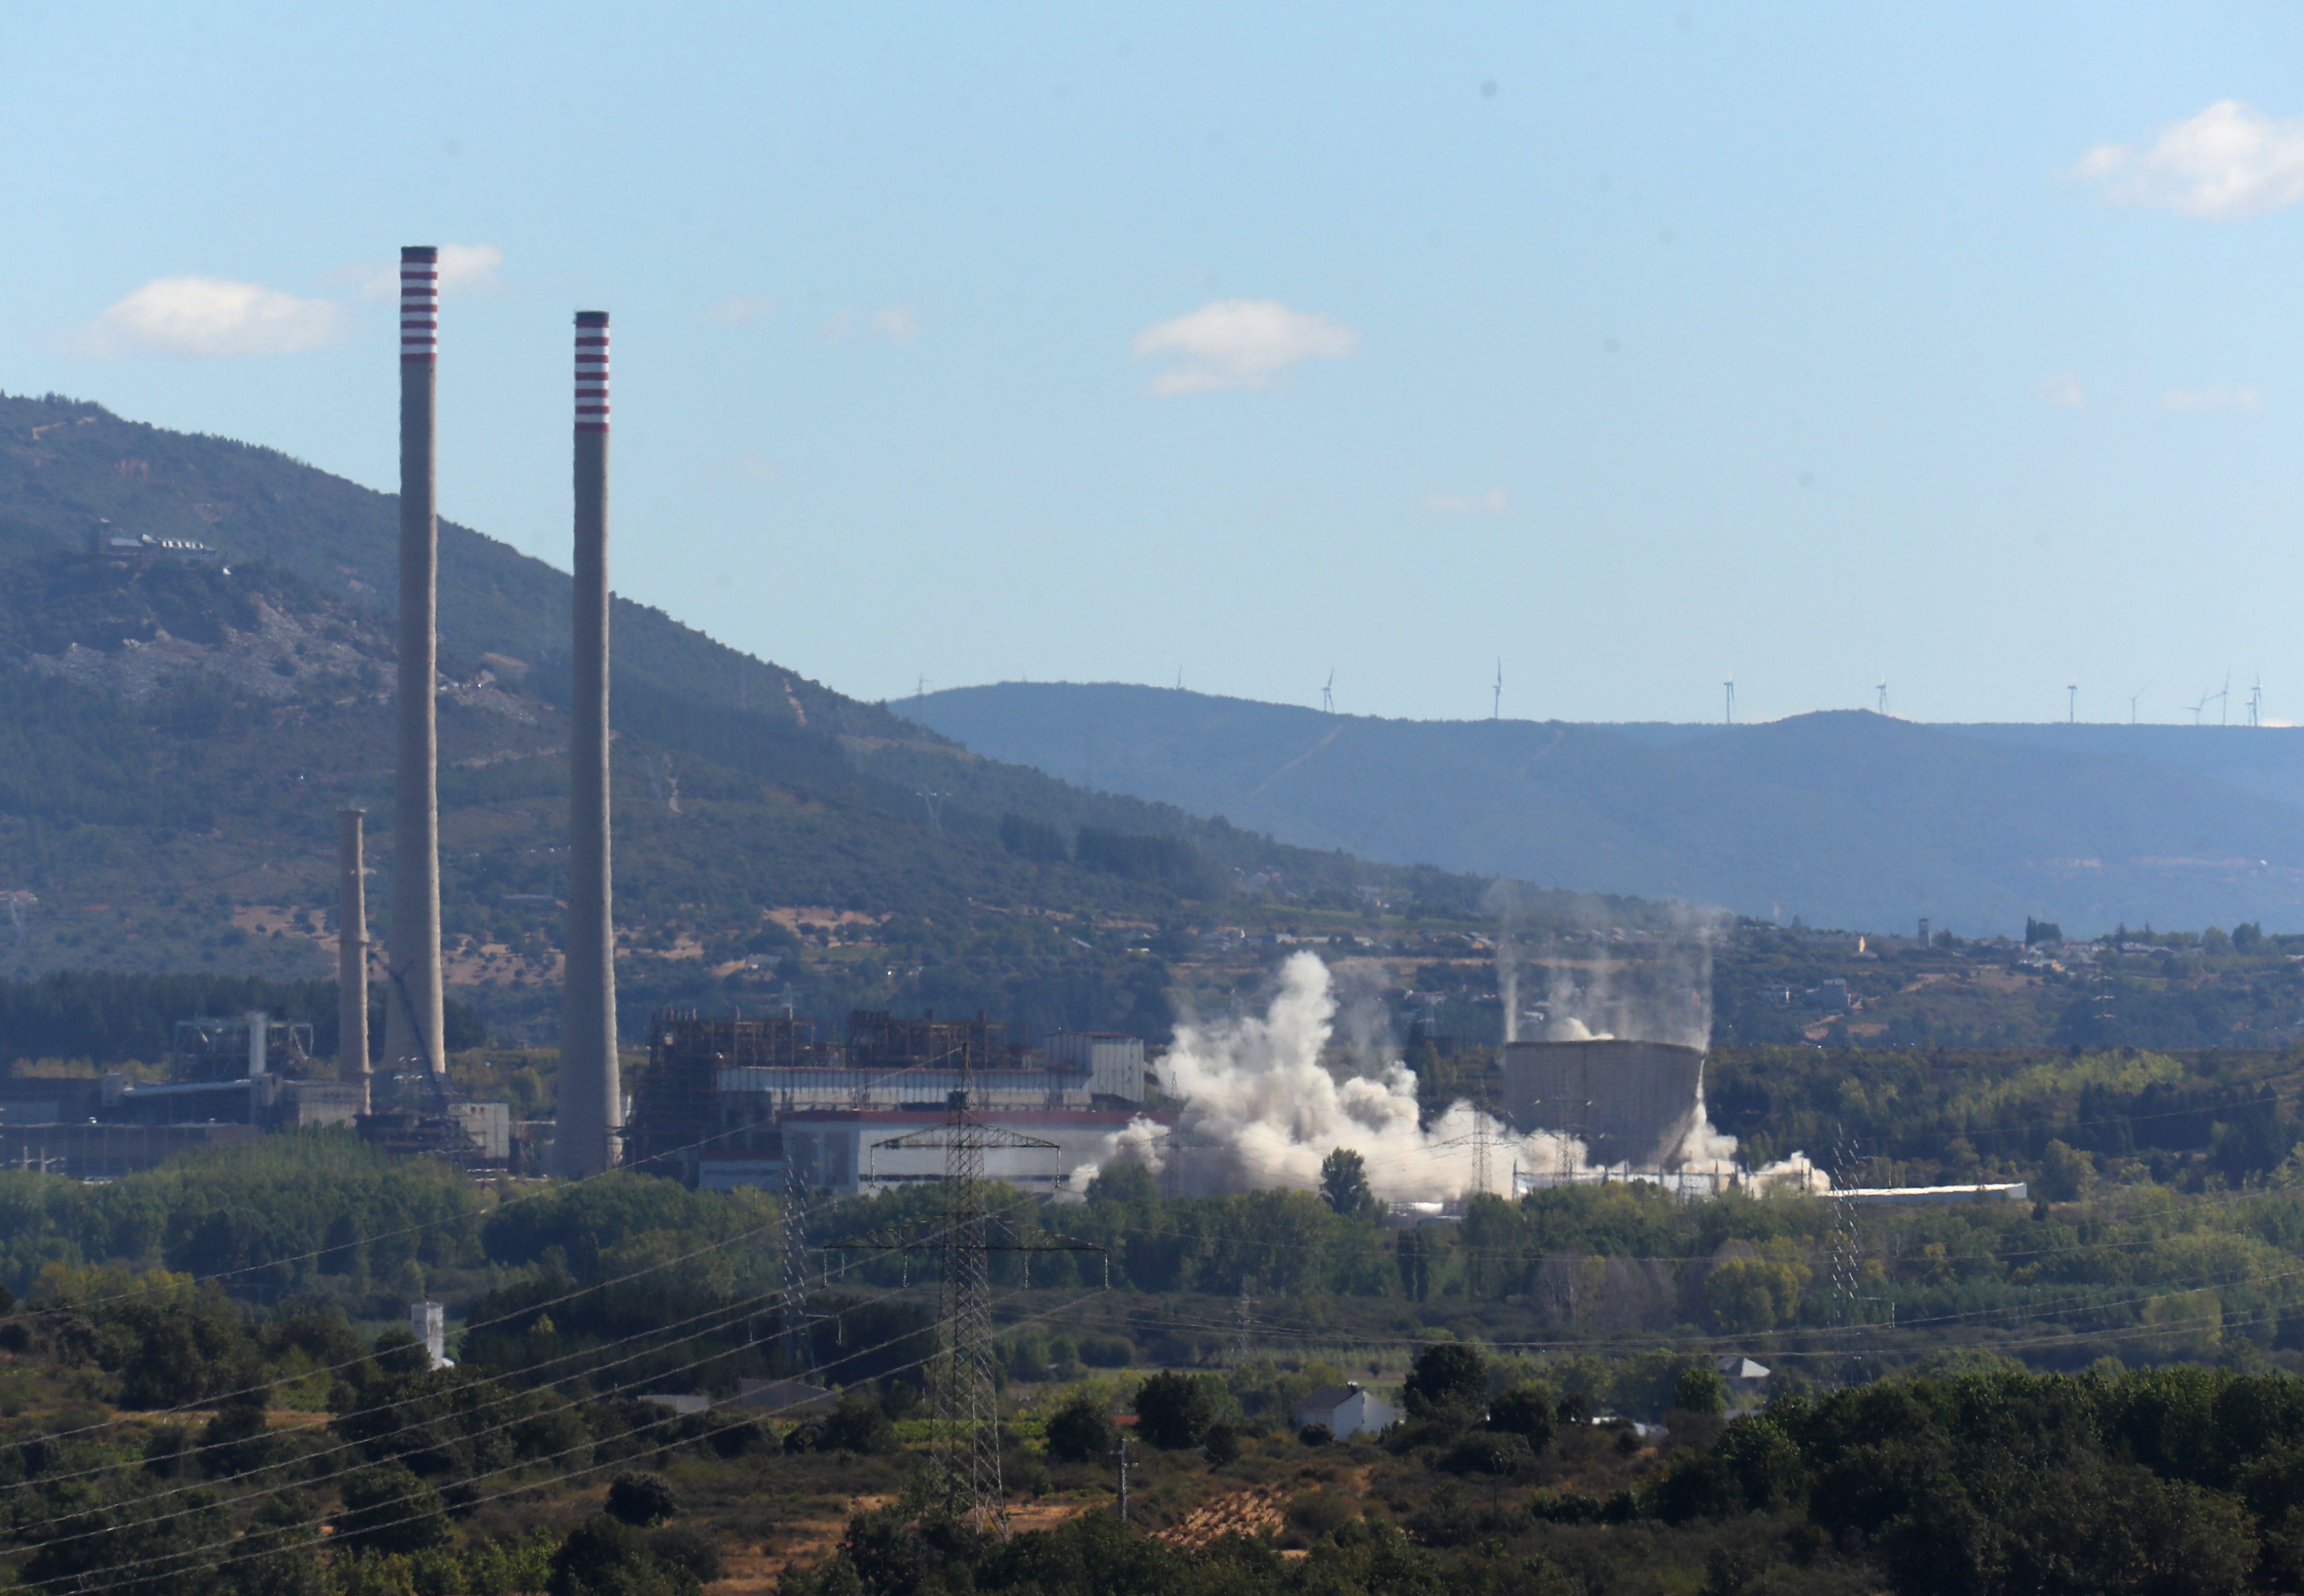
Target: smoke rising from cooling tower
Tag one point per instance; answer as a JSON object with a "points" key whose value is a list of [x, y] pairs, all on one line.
{"points": [[1260, 1109]]}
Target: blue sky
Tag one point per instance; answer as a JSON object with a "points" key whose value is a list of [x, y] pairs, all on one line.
{"points": [[1639, 345]]}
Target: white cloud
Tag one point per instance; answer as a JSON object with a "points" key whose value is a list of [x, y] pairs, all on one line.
{"points": [[463, 268], [2240, 397], [203, 317], [2063, 391], [1491, 502], [2227, 163], [469, 266], [1240, 343], [736, 311], [895, 324]]}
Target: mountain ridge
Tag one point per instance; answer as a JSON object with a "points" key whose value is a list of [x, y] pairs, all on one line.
{"points": [[1844, 817]]}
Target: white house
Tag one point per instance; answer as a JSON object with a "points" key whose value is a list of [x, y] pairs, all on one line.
{"points": [[1347, 1410]]}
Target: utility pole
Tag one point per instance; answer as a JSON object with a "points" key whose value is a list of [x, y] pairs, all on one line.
{"points": [[1121, 1452]]}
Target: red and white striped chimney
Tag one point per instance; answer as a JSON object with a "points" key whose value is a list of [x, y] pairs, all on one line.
{"points": [[589, 1135], [412, 1006]]}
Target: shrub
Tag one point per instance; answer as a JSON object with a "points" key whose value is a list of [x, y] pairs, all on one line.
{"points": [[1316, 1434], [1222, 1444], [603, 1557], [1318, 1513], [641, 1499], [1492, 1453], [689, 1549], [1106, 1351]]}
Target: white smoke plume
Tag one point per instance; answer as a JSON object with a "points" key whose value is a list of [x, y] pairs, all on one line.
{"points": [[1259, 1108]]}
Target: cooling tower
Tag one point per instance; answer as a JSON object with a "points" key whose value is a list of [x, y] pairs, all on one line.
{"points": [[592, 1102], [411, 998], [1630, 1102]]}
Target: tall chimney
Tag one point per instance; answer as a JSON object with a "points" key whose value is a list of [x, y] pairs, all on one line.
{"points": [[352, 952], [591, 1101], [411, 1002]]}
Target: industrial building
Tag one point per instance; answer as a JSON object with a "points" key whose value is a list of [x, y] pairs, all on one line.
{"points": [[845, 1151], [231, 1079], [714, 1104], [1629, 1103]]}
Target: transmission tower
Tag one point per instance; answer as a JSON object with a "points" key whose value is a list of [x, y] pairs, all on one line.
{"points": [[1847, 1263], [798, 1342], [964, 1458]]}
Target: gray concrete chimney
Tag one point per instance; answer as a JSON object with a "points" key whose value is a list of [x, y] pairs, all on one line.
{"points": [[589, 1134], [351, 952], [411, 998]]}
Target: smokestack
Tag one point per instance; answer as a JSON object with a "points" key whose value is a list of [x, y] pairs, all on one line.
{"points": [[351, 952], [412, 1004], [591, 1099]]}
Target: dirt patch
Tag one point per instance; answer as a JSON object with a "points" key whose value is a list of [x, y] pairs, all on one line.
{"points": [[802, 1540], [1255, 1511]]}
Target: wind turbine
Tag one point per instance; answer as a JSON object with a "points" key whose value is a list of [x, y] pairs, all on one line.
{"points": [[1729, 687], [2072, 702], [1883, 690], [1497, 705], [2132, 697], [2202, 705], [2255, 702], [1328, 693], [2223, 702]]}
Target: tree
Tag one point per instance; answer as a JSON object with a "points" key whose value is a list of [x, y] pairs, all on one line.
{"points": [[859, 1424], [643, 1499], [1749, 1296], [1080, 1430], [1526, 1409], [279, 1556], [1449, 1380], [2065, 1174], [1344, 1182], [1174, 1411], [1699, 1389], [387, 1508]]}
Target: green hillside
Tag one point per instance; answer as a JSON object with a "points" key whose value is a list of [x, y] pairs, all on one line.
{"points": [[177, 739]]}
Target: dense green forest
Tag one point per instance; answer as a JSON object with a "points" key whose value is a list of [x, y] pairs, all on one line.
{"points": [[201, 1365]]}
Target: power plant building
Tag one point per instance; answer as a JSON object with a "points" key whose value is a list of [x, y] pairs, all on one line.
{"points": [[720, 1093], [843, 1151], [1629, 1103]]}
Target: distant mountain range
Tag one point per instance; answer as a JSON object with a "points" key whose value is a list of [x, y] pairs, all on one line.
{"points": [[1846, 818]]}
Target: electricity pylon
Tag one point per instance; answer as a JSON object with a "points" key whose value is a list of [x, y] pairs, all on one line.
{"points": [[799, 1344], [964, 1458]]}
